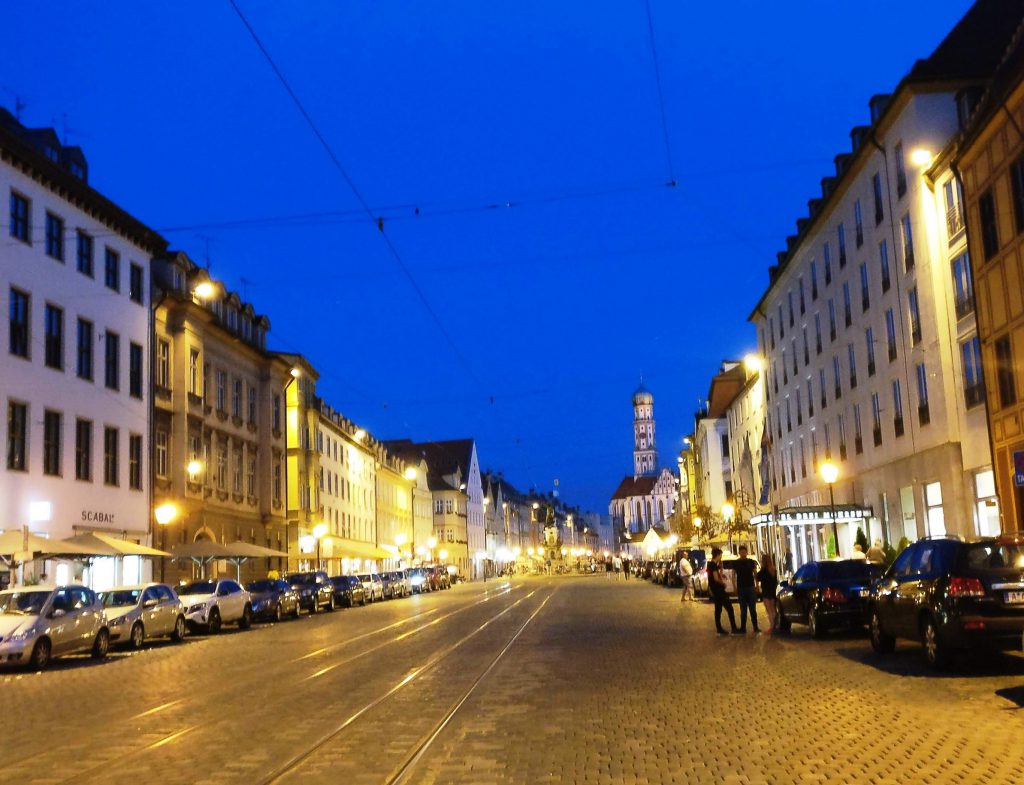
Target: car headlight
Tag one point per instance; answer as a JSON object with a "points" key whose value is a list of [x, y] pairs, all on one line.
{"points": [[21, 637], [198, 608], [116, 622]]}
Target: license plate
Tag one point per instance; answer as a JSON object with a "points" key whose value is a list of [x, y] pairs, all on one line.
{"points": [[1014, 597], [864, 593]]}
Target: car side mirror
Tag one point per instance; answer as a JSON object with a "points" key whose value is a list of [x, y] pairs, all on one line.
{"points": [[150, 603]]}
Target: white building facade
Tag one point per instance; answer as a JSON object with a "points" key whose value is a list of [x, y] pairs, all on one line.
{"points": [[75, 359]]}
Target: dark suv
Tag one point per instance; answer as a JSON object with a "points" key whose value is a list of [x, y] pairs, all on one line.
{"points": [[951, 595], [315, 590]]}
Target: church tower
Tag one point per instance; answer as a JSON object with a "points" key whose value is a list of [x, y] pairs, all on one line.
{"points": [[645, 456]]}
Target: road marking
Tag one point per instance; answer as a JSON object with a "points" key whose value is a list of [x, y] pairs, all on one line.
{"points": [[169, 739], [366, 635], [156, 709]]}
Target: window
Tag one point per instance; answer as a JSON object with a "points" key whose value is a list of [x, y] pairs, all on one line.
{"points": [[160, 454], [236, 471], [826, 257], [236, 398], [890, 333], [135, 462], [1017, 182], [250, 476], [901, 170], [841, 238], [807, 356], [803, 304], [799, 408], [858, 433], [112, 270], [923, 415], [163, 364], [136, 278], [782, 324], [83, 450], [841, 422], [222, 467], [1004, 372], [831, 319], [865, 291], [970, 350], [869, 343], [817, 333], [252, 405], [821, 387], [907, 236], [789, 306], [989, 228], [858, 224], [837, 377], [883, 264], [19, 321], [954, 208], [53, 326], [897, 408], [85, 254], [792, 345], [222, 383], [84, 364], [112, 361], [51, 442], [135, 370], [963, 287], [17, 436], [814, 280], [20, 223], [810, 399], [771, 332], [851, 355], [193, 372], [110, 438], [847, 309], [275, 414], [935, 518], [915, 316], [55, 237], [785, 368], [276, 484], [876, 191]]}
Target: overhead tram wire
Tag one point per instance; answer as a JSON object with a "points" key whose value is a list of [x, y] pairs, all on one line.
{"points": [[359, 196], [661, 95]]}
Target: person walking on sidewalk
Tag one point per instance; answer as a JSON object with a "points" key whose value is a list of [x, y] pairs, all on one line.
{"points": [[746, 588], [716, 586], [617, 564], [686, 576], [768, 577], [625, 567]]}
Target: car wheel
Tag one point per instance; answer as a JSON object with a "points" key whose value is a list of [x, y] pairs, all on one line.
{"points": [[298, 610], [213, 623], [880, 642], [101, 645], [138, 635], [278, 614], [179, 629], [245, 622], [936, 653], [315, 607], [40, 655], [815, 624], [331, 606], [784, 624]]}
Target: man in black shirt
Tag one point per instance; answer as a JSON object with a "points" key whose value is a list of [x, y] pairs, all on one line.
{"points": [[746, 588], [716, 587]]}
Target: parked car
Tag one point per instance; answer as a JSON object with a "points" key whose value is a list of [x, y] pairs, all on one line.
{"points": [[316, 592], [395, 584], [439, 577], [273, 599], [729, 574], [209, 604], [951, 596], [150, 610], [700, 581], [348, 590], [419, 580], [825, 594], [373, 586], [38, 623]]}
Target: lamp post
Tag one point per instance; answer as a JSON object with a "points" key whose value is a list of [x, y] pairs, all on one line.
{"points": [[830, 473], [163, 515], [728, 510], [319, 531]]}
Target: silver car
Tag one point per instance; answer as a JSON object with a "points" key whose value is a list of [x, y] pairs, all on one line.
{"points": [[216, 601], [373, 586], [38, 623], [151, 610]]}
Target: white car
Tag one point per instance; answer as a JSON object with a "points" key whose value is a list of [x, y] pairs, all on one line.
{"points": [[135, 613], [41, 622], [214, 602]]}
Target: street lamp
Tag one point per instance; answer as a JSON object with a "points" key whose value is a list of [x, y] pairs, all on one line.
{"points": [[830, 473], [728, 510], [163, 515]]}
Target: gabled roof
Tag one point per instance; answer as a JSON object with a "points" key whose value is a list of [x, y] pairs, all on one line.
{"points": [[443, 458], [725, 386], [635, 486]]}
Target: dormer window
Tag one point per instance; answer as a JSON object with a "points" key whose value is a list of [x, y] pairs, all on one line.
{"points": [[247, 329], [52, 153], [232, 319]]}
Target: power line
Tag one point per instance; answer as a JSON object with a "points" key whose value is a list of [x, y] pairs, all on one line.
{"points": [[661, 96], [362, 201]]}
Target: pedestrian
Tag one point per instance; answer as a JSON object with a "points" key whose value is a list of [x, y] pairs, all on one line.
{"points": [[617, 564], [858, 552], [875, 553], [607, 567], [686, 576], [789, 562], [625, 566], [768, 577], [716, 586], [746, 588]]}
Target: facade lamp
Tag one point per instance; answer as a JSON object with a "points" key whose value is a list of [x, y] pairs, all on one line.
{"points": [[165, 513], [205, 290]]}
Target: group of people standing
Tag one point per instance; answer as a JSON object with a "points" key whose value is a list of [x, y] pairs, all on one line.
{"points": [[751, 578], [617, 566]]}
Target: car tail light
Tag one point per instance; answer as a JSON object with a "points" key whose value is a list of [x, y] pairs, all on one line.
{"points": [[965, 587], [974, 625], [832, 594]]}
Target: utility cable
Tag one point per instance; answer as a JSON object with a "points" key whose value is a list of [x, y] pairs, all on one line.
{"points": [[661, 96]]}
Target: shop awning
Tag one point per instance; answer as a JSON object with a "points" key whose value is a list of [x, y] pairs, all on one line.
{"points": [[250, 550], [19, 546], [354, 549], [105, 545]]}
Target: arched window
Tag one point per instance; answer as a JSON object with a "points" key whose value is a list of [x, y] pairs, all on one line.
{"points": [[639, 512], [661, 510]]}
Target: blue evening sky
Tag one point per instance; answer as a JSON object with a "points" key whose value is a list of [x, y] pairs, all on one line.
{"points": [[556, 305]]}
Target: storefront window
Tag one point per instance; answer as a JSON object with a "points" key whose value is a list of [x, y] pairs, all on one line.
{"points": [[986, 503], [933, 506]]}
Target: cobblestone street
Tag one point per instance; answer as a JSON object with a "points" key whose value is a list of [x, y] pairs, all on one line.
{"points": [[603, 682]]}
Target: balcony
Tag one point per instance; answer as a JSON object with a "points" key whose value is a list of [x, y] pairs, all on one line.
{"points": [[923, 414], [897, 425], [964, 306], [876, 435], [974, 395]]}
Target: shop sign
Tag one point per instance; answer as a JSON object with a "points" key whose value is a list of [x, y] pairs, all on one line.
{"points": [[1018, 468], [97, 516]]}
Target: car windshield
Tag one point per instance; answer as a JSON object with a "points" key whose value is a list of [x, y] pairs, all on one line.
{"points": [[994, 556], [199, 587], [302, 577], [120, 599], [840, 570], [23, 603], [263, 585], [364, 578]]}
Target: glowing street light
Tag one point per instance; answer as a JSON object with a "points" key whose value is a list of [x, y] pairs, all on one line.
{"points": [[410, 473], [753, 363], [442, 554], [830, 473], [165, 513], [205, 290]]}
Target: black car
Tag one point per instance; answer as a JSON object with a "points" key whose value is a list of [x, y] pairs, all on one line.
{"points": [[827, 594], [315, 590], [952, 596], [273, 599], [348, 590]]}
